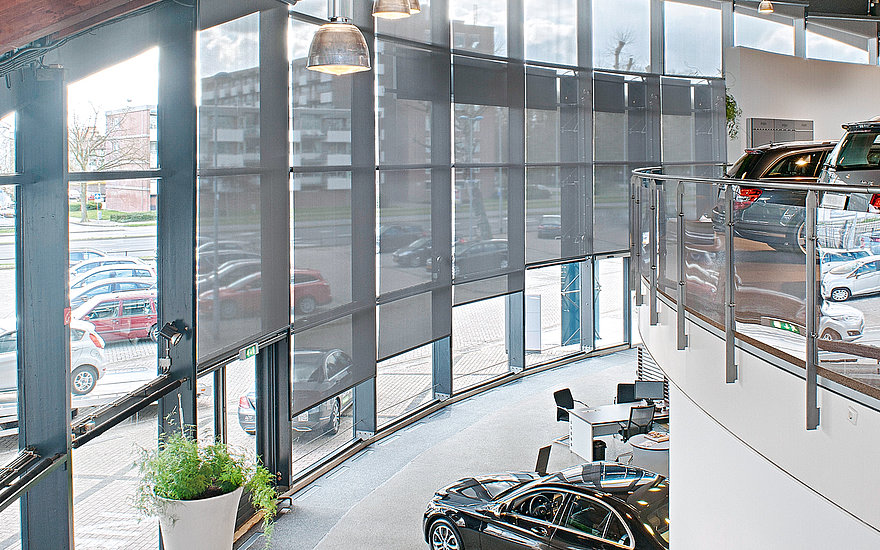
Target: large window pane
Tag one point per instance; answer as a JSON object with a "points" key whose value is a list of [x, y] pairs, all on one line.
{"points": [[622, 35], [321, 108], [405, 324], [113, 289], [480, 134], [479, 350], [692, 39], [321, 430], [479, 27], [404, 229], [554, 210], [763, 33], [323, 364], [105, 479], [626, 118], [608, 302], [557, 108], [112, 117], [551, 31], [611, 208], [552, 313], [241, 403], [7, 144], [831, 45], [403, 383], [321, 247], [480, 230], [10, 532], [417, 27]]}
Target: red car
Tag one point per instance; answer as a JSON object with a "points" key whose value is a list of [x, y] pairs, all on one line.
{"points": [[308, 289], [122, 315], [244, 297]]}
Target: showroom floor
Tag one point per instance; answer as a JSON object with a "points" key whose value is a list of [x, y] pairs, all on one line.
{"points": [[376, 499]]}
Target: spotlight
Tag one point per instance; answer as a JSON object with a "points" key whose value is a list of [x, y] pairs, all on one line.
{"points": [[171, 333], [765, 7]]}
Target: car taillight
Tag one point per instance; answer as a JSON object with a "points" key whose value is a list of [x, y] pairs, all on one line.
{"points": [[244, 402], [875, 202], [99, 343], [745, 196]]}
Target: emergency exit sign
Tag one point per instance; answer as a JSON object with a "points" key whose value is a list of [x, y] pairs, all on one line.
{"points": [[248, 352]]}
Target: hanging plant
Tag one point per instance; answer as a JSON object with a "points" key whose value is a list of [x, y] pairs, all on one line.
{"points": [[733, 114]]}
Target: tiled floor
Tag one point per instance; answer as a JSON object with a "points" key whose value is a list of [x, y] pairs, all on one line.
{"points": [[375, 500]]}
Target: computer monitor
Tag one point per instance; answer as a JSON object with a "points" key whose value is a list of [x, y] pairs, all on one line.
{"points": [[649, 389]]}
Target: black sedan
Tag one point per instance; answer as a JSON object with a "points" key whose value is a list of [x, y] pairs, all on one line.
{"points": [[414, 254], [773, 216], [595, 506]]}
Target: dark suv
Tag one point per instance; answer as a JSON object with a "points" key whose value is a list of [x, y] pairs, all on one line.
{"points": [[773, 216], [856, 161]]}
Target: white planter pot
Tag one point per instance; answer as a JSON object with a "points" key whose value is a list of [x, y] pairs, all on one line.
{"points": [[207, 524]]}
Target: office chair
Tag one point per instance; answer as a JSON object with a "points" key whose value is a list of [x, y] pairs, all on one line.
{"points": [[626, 393], [640, 421], [564, 403], [543, 460]]}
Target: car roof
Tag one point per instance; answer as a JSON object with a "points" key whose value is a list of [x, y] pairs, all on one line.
{"points": [[93, 284], [129, 294], [865, 125], [110, 267], [792, 145]]}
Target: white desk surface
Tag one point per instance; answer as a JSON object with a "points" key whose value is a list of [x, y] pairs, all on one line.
{"points": [[611, 414], [647, 443]]}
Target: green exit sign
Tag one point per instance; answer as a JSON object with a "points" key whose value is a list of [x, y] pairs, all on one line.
{"points": [[783, 325], [248, 352]]}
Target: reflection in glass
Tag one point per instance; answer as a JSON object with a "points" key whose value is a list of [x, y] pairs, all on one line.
{"points": [[112, 117], [551, 31], [241, 403], [323, 364], [763, 33], [417, 27], [404, 98], [479, 27], [480, 230], [611, 209], [321, 247], [7, 144], [608, 302], [553, 295], [322, 429], [553, 213], [622, 35], [321, 108], [692, 39], [480, 133], [625, 111], [403, 383], [479, 352], [404, 237], [105, 479], [405, 324], [205, 408]]}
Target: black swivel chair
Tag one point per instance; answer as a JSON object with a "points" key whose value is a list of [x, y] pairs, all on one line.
{"points": [[640, 421], [626, 393], [564, 403]]}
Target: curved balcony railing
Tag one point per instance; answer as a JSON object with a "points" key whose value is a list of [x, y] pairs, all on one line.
{"points": [[734, 254]]}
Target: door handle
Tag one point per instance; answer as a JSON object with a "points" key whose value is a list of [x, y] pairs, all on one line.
{"points": [[539, 531]]}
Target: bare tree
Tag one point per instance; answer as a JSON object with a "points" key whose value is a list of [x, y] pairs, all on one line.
{"points": [[7, 147], [90, 150], [623, 38]]}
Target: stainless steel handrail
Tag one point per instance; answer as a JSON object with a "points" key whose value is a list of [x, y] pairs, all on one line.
{"points": [[653, 179]]}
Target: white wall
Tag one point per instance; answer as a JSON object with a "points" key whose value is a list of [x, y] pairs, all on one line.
{"points": [[768, 85], [786, 486]]}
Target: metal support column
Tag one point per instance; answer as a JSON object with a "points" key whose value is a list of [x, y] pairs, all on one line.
{"points": [[681, 337], [177, 201], [627, 306], [365, 418], [731, 373], [516, 337], [652, 244], [41, 290], [589, 304], [441, 365], [273, 416], [636, 240], [812, 290], [220, 424]]}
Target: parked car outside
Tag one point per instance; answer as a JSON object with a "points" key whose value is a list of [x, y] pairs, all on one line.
{"points": [[79, 255], [773, 216], [109, 286], [112, 272], [856, 161], [393, 237], [414, 254], [86, 357], [314, 372], [213, 259], [229, 272], [309, 290], [90, 264], [550, 226], [121, 316], [598, 505], [830, 258], [479, 257], [855, 278]]}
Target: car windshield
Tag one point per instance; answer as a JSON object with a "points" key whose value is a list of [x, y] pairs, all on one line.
{"points": [[651, 504], [848, 267], [859, 150], [418, 243], [741, 169]]}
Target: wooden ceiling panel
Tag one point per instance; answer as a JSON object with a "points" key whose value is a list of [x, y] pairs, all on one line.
{"points": [[23, 21]]}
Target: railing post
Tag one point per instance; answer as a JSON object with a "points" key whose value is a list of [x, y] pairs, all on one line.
{"points": [[652, 244], [682, 339], [731, 373], [812, 357], [636, 242]]}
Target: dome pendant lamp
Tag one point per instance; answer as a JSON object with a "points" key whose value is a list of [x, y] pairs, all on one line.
{"points": [[414, 7], [391, 9], [338, 47], [765, 7]]}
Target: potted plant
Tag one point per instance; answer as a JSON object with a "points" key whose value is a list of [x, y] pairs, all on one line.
{"points": [[195, 490]]}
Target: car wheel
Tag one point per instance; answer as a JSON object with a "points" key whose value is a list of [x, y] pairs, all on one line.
{"points": [[334, 418], [840, 294], [306, 304], [444, 536], [83, 379], [154, 333], [830, 334], [800, 237]]}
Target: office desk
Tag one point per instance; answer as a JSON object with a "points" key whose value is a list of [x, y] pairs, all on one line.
{"points": [[650, 454], [587, 423]]}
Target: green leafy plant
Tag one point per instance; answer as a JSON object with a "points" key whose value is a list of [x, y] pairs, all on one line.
{"points": [[181, 469], [733, 114]]}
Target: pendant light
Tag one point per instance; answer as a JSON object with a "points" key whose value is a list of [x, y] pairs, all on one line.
{"points": [[414, 7], [338, 47], [765, 7], [392, 9]]}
